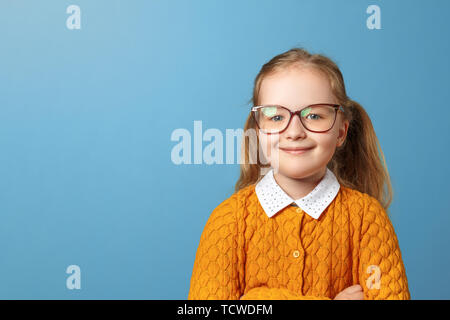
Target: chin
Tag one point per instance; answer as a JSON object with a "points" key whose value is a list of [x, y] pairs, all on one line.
{"points": [[295, 172]]}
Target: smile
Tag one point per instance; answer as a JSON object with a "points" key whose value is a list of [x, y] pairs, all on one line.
{"points": [[296, 151]]}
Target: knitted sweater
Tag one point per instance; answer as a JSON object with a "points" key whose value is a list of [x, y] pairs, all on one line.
{"points": [[243, 254]]}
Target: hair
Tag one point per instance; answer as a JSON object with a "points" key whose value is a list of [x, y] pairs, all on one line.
{"points": [[358, 163]]}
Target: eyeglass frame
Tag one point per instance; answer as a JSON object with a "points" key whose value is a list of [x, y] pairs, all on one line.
{"points": [[336, 107]]}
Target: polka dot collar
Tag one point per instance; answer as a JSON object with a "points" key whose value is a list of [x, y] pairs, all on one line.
{"points": [[273, 199]]}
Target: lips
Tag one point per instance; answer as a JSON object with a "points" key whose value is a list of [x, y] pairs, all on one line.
{"points": [[296, 150]]}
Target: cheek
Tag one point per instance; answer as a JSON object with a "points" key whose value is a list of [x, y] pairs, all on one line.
{"points": [[268, 143], [326, 145], [327, 142]]}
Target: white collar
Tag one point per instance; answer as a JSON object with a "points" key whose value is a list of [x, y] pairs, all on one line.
{"points": [[273, 199]]}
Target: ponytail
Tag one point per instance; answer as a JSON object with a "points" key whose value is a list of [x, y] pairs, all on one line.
{"points": [[359, 163]]}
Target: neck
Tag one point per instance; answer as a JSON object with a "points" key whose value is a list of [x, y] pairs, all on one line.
{"points": [[299, 188]]}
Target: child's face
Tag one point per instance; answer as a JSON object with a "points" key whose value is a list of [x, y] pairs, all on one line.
{"points": [[296, 88]]}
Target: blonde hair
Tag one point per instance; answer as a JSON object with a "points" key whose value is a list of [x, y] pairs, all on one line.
{"points": [[358, 163]]}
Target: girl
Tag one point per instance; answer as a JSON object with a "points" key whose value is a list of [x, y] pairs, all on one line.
{"points": [[315, 226]]}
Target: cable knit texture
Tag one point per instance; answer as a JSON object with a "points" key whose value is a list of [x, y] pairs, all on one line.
{"points": [[244, 254]]}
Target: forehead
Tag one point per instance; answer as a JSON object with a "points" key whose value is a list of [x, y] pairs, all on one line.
{"points": [[296, 86]]}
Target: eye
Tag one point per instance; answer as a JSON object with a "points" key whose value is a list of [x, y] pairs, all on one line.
{"points": [[313, 114], [308, 112], [277, 118]]}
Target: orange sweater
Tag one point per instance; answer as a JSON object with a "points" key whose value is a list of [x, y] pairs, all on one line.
{"points": [[243, 254]]}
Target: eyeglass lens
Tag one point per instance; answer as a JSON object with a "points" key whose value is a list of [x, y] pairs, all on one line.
{"points": [[273, 119]]}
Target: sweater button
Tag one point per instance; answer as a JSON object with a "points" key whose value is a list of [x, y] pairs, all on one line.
{"points": [[296, 254], [299, 210]]}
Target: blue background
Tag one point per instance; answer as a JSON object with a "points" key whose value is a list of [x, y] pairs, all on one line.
{"points": [[86, 117]]}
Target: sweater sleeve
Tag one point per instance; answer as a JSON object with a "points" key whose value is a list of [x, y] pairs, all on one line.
{"points": [[265, 293], [381, 271], [215, 275]]}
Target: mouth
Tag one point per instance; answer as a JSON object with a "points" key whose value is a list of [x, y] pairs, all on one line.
{"points": [[296, 151]]}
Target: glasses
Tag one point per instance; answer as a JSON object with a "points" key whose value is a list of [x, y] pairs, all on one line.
{"points": [[319, 117]]}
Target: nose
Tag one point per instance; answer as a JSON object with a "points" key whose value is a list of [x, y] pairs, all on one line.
{"points": [[295, 130]]}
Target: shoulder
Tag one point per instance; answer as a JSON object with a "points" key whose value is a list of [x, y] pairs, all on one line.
{"points": [[366, 209], [239, 199], [353, 197], [230, 209], [361, 203]]}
